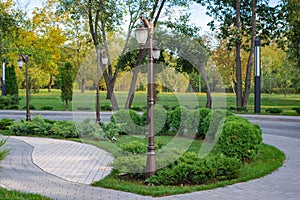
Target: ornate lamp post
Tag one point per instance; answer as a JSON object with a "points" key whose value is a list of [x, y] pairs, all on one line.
{"points": [[104, 60], [23, 58], [142, 34]]}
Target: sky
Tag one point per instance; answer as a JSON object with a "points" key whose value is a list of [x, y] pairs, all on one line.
{"points": [[198, 15]]}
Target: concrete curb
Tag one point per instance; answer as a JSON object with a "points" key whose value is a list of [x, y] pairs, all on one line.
{"points": [[271, 118]]}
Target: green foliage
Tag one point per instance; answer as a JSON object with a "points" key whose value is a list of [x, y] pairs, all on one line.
{"points": [[239, 139], [128, 121], [65, 129], [160, 120], [91, 130], [132, 166], [184, 121], [191, 169], [297, 110], [5, 123], [274, 110], [5, 101], [213, 123], [111, 130], [43, 127], [203, 112], [47, 108], [134, 147], [3, 152], [12, 84], [66, 83]]}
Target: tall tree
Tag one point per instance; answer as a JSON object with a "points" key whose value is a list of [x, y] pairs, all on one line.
{"points": [[66, 83], [238, 20]]}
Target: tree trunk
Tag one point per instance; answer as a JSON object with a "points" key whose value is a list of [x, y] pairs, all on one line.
{"points": [[50, 82], [67, 105], [250, 59], [205, 79], [239, 96], [131, 92], [82, 85]]}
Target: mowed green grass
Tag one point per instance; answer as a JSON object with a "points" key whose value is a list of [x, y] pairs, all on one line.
{"points": [[86, 101]]}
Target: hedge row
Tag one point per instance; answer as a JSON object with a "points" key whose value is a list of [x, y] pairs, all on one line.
{"points": [[181, 121]]}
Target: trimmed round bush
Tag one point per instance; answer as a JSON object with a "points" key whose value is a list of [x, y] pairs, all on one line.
{"points": [[184, 121], [91, 130], [128, 121], [213, 123], [160, 120], [239, 139]]}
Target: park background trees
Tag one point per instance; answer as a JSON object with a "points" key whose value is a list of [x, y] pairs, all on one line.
{"points": [[68, 31]]}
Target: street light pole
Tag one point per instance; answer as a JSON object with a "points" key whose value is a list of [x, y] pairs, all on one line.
{"points": [[24, 58], [104, 60], [3, 78], [151, 156], [257, 76]]}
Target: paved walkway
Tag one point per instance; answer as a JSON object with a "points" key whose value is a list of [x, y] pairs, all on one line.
{"points": [[63, 169]]}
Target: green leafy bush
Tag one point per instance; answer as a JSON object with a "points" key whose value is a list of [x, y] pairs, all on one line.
{"points": [[184, 121], [274, 110], [35, 127], [46, 108], [128, 121], [105, 107], [297, 110], [3, 152], [160, 120], [128, 167], [203, 112], [213, 123], [91, 130], [66, 129], [111, 130], [5, 123], [12, 107], [134, 147], [239, 139], [191, 169], [31, 107], [5, 101]]}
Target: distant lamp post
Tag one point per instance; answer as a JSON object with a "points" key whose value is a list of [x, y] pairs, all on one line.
{"points": [[257, 76], [142, 34], [104, 60], [3, 77], [23, 58]]}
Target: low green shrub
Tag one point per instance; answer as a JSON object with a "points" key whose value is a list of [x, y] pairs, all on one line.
{"points": [[5, 123], [239, 139], [191, 169], [134, 147], [12, 107], [35, 127], [160, 121], [5, 101], [46, 108], [213, 123], [297, 110], [31, 107], [3, 152], [128, 121], [65, 129], [203, 112], [184, 121], [274, 110], [91, 130], [106, 107], [111, 130]]}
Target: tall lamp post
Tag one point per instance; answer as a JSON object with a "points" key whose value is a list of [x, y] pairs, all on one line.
{"points": [[257, 76], [104, 60], [24, 58], [142, 34], [3, 77]]}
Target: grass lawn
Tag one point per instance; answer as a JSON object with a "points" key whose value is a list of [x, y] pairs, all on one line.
{"points": [[269, 159], [86, 101]]}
